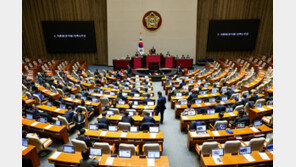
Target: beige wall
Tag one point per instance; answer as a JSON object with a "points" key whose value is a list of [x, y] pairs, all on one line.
{"points": [[177, 33]]}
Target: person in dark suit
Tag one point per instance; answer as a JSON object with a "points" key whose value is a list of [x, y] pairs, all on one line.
{"points": [[193, 96], [147, 99], [229, 92], [128, 57], [82, 137], [269, 97], [245, 99], [32, 110], [86, 161], [254, 97], [153, 51], [127, 118], [79, 119], [47, 116], [221, 115], [103, 119], [180, 69], [120, 96], [69, 114], [129, 70], [147, 118], [242, 118], [219, 107], [160, 106]]}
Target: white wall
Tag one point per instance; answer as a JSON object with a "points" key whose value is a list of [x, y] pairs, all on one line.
{"points": [[177, 33]]}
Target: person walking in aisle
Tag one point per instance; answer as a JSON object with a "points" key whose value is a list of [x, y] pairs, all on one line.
{"points": [[160, 107]]}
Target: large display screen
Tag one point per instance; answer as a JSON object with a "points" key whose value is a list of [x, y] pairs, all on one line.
{"points": [[232, 35], [69, 36]]}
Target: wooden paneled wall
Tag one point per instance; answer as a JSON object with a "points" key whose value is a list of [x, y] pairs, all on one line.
{"points": [[234, 9], [35, 11]]}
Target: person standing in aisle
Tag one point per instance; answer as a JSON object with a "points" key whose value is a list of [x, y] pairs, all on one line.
{"points": [[160, 107]]}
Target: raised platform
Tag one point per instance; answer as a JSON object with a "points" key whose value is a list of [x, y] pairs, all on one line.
{"points": [[155, 75]]}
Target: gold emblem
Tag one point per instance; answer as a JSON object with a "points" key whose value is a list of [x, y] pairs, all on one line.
{"points": [[152, 20]]}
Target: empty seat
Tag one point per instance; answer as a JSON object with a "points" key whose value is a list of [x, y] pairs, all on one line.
{"points": [[104, 102], [131, 147], [115, 110], [256, 143], [105, 147], [239, 108], [79, 145], [206, 147], [231, 146], [217, 123], [150, 147], [124, 126], [262, 101], [39, 143]]}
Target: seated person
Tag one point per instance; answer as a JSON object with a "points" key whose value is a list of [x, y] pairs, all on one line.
{"points": [[229, 92], [168, 54], [219, 107], [32, 110], [193, 96], [221, 115], [182, 84], [86, 161], [153, 51], [104, 120], [187, 57], [147, 118], [242, 118], [128, 57], [79, 119], [82, 137], [254, 96], [46, 115], [147, 98], [127, 118], [69, 114], [245, 99], [146, 125], [269, 97], [183, 57], [193, 124]]}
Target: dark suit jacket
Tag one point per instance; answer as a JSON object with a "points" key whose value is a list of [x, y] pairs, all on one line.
{"points": [[87, 141], [148, 119], [192, 97], [254, 98], [245, 101], [219, 108], [47, 116], [146, 125], [229, 93], [89, 163], [75, 118], [146, 100], [127, 119], [104, 120], [69, 115], [160, 104], [243, 119]]}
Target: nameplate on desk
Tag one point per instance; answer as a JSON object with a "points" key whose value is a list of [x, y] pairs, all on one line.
{"points": [[254, 129], [48, 126], [185, 117], [109, 161], [205, 95], [152, 135], [103, 133], [123, 134], [231, 114], [264, 156], [249, 157], [207, 104], [261, 109], [35, 123], [55, 155], [88, 103], [57, 110], [76, 101], [178, 106], [216, 133], [146, 107], [270, 107], [69, 99], [217, 160], [150, 162]]}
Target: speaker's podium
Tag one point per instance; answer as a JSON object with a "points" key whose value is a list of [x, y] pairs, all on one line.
{"points": [[153, 66]]}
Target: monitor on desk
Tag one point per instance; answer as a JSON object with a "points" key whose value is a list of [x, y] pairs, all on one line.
{"points": [[212, 100], [24, 142], [110, 113], [49, 104], [136, 103], [91, 91], [68, 149], [185, 87], [198, 101], [214, 91], [72, 96], [153, 129], [151, 95], [136, 95], [245, 150], [218, 152], [199, 81], [115, 87], [134, 129], [221, 127], [105, 86], [58, 123], [240, 125], [112, 128], [269, 147], [233, 88], [95, 100], [184, 102], [224, 98], [126, 88], [229, 109], [124, 94], [270, 102], [29, 116], [121, 102], [211, 111], [224, 89], [63, 106], [259, 105], [203, 92], [201, 128], [154, 154], [191, 113], [92, 127], [130, 113], [178, 94], [125, 154], [257, 123], [112, 93], [150, 103], [190, 82], [43, 119], [95, 151]]}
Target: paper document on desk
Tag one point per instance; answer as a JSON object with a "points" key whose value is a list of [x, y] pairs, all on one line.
{"points": [[216, 133], [23, 148], [231, 114], [35, 123], [194, 134], [103, 133], [254, 129], [146, 107], [123, 134], [178, 106], [152, 135], [109, 161], [88, 103], [69, 99], [185, 117], [261, 109], [48, 126], [264, 156], [207, 104], [150, 162], [249, 157], [57, 110], [55, 155], [217, 160]]}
